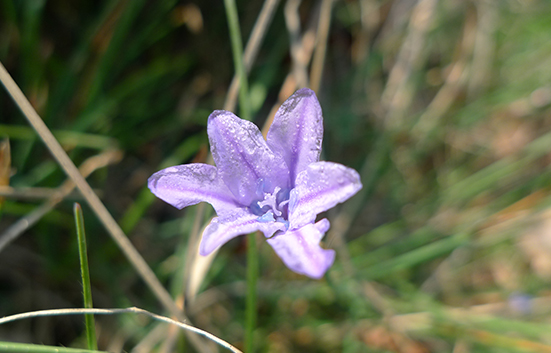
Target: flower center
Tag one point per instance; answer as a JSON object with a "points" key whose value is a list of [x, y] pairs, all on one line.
{"points": [[272, 207]]}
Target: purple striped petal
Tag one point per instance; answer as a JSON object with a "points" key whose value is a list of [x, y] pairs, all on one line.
{"points": [[297, 131], [189, 184], [300, 251], [239, 222], [244, 160], [318, 188]]}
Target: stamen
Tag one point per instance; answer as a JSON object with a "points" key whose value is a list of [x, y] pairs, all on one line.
{"points": [[273, 207], [270, 201]]}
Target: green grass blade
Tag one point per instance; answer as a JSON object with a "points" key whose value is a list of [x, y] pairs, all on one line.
{"points": [[65, 137], [237, 50], [11, 347], [104, 73], [86, 289], [416, 256]]}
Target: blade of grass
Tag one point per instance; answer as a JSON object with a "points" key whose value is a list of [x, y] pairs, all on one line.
{"points": [[237, 49], [11, 347], [497, 173], [415, 257], [32, 12], [71, 138], [252, 279], [32, 193], [104, 72], [5, 167], [85, 273]]}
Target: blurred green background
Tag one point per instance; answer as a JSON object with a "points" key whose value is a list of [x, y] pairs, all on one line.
{"points": [[443, 106]]}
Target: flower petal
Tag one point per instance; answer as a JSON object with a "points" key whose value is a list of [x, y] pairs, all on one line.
{"points": [[189, 184], [300, 251], [297, 131], [318, 188], [239, 222], [243, 158]]}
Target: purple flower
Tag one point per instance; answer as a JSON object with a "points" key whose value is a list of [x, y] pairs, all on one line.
{"points": [[277, 186]]}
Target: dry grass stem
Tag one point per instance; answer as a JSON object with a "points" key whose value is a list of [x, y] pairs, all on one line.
{"points": [[397, 95], [292, 20], [455, 80], [370, 19], [134, 310], [5, 166], [58, 195], [484, 47], [322, 34], [305, 47], [30, 193], [476, 313], [93, 200]]}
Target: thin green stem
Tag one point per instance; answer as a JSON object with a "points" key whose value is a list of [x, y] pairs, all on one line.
{"points": [[245, 113], [86, 288], [237, 49], [252, 277]]}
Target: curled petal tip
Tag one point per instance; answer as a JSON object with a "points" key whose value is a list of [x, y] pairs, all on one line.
{"points": [[299, 249], [304, 92]]}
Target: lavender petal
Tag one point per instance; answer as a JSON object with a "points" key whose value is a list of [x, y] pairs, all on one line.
{"points": [[189, 184], [318, 188], [300, 251], [243, 158], [297, 131], [239, 222]]}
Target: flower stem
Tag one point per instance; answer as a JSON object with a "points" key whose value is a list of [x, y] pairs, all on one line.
{"points": [[252, 277], [245, 113]]}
